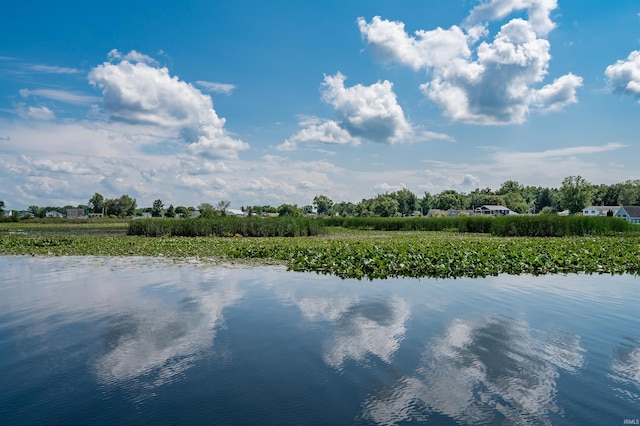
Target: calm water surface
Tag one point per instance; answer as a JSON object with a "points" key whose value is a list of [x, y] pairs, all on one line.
{"points": [[142, 341]]}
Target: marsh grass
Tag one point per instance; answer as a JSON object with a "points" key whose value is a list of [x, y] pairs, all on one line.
{"points": [[228, 226], [508, 226]]}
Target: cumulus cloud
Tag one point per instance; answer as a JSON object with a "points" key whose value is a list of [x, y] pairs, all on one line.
{"points": [[479, 81], [215, 87], [624, 75], [538, 12], [362, 113], [136, 92]]}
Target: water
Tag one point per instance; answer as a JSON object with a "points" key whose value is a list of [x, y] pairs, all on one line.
{"points": [[137, 340]]}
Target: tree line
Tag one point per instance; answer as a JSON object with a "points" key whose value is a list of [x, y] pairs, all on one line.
{"points": [[574, 194]]}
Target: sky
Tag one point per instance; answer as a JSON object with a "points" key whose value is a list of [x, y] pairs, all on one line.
{"points": [[256, 102]]}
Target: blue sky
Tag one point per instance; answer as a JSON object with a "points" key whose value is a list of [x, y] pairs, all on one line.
{"points": [[259, 102]]}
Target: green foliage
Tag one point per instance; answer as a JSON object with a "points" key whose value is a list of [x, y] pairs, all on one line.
{"points": [[120, 207], [559, 226], [290, 210], [228, 226], [158, 208], [575, 193], [323, 205], [96, 203], [364, 254], [514, 226]]}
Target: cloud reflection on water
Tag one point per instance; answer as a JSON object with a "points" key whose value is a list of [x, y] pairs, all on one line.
{"points": [[625, 370], [362, 328], [480, 372], [156, 343]]}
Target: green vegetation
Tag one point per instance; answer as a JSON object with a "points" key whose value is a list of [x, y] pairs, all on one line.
{"points": [[363, 254], [515, 226], [228, 226]]}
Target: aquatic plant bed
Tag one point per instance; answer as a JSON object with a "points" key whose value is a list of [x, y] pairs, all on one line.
{"points": [[365, 254]]}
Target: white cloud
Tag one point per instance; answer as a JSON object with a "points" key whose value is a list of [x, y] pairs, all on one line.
{"points": [[140, 94], [328, 132], [436, 48], [36, 113], [51, 69], [214, 87], [538, 12], [59, 95], [624, 75], [133, 56], [363, 113], [371, 112], [497, 85]]}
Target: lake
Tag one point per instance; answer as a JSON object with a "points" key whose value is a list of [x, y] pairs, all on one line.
{"points": [[86, 340]]}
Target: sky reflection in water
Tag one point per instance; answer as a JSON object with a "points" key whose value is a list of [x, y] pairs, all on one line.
{"points": [[504, 349]]}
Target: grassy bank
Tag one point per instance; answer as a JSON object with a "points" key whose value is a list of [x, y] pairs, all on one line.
{"points": [[360, 254]]}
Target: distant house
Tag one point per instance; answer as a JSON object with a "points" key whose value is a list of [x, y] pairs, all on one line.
{"points": [[53, 214], [235, 212], [629, 213], [456, 212], [600, 210], [436, 213], [494, 210], [146, 215], [75, 213], [8, 213], [92, 215]]}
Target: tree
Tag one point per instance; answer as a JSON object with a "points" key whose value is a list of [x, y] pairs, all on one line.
{"points": [[96, 203], [575, 193], [183, 211], [516, 202], [1, 206], [426, 203], [510, 186], [158, 208], [170, 211], [323, 204], [222, 207], [407, 201], [385, 205], [121, 207], [493, 200], [206, 210], [448, 199], [344, 208], [289, 210]]}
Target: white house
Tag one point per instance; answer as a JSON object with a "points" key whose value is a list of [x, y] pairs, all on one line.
{"points": [[629, 213], [235, 212], [599, 210], [54, 214], [494, 210]]}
